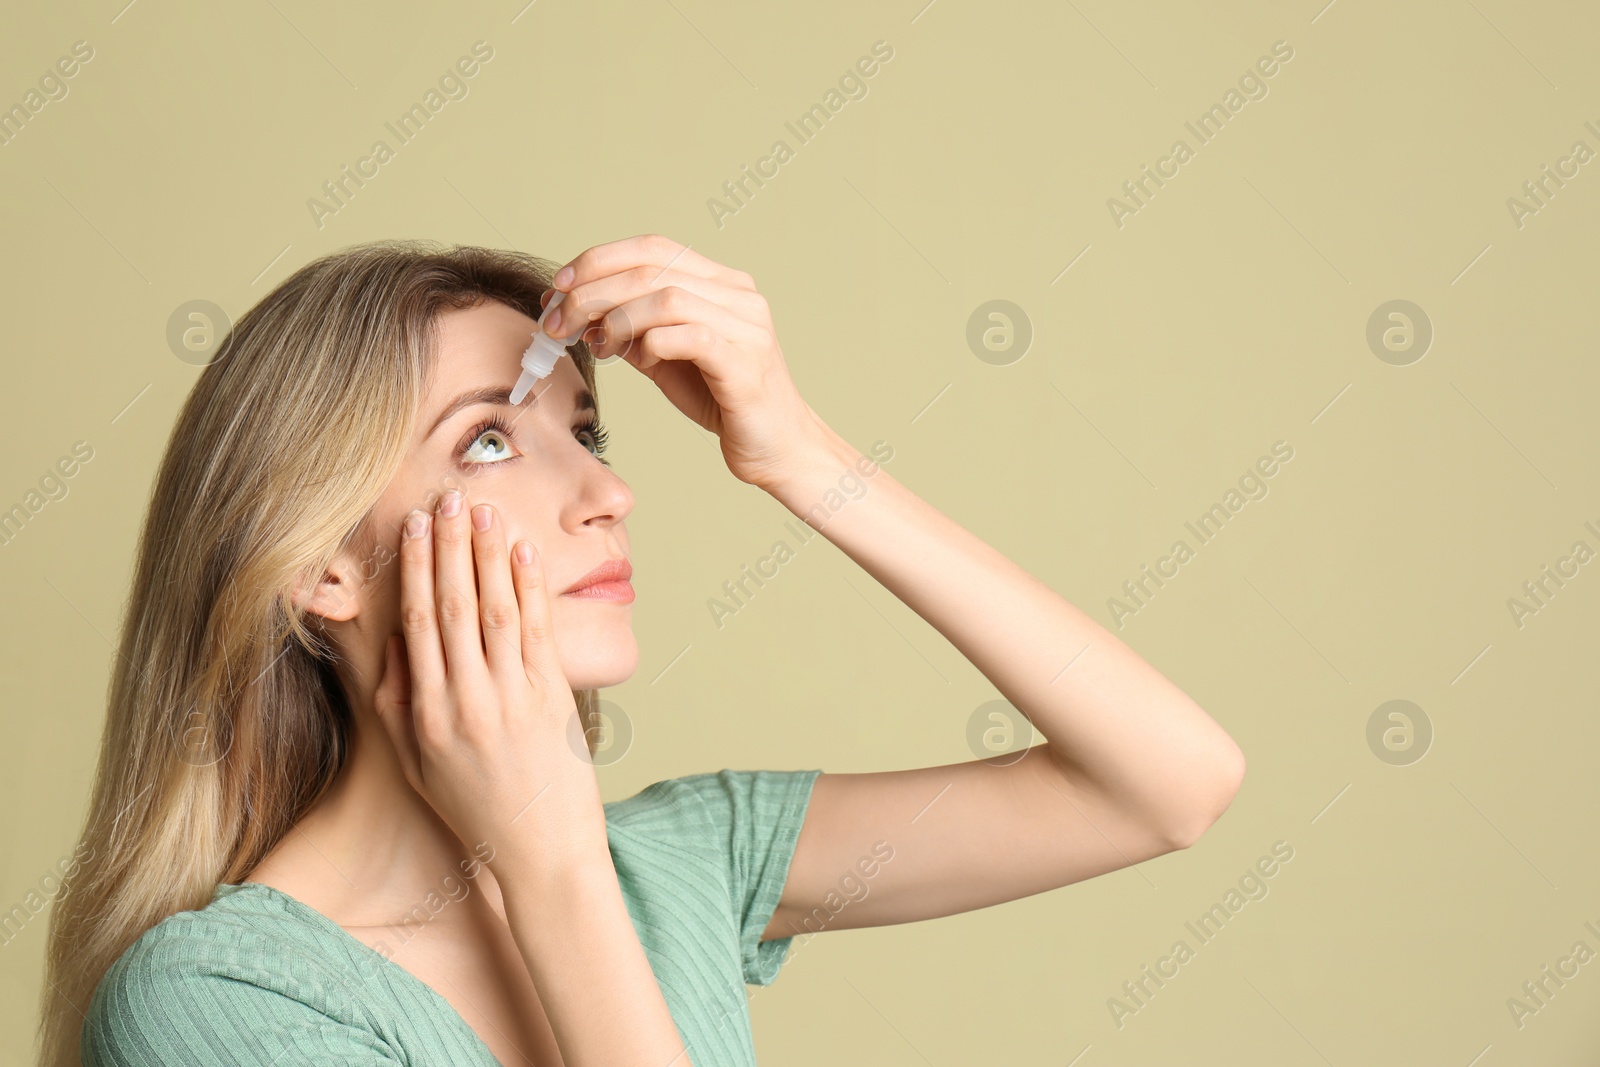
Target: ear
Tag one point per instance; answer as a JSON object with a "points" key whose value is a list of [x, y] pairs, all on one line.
{"points": [[336, 596]]}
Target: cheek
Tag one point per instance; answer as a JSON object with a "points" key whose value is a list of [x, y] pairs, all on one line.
{"points": [[521, 516]]}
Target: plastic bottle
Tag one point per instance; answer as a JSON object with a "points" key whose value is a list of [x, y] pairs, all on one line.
{"points": [[540, 357]]}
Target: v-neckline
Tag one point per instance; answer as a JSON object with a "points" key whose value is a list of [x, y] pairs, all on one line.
{"points": [[316, 918]]}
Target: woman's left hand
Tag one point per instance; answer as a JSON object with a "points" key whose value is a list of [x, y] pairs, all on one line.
{"points": [[704, 336]]}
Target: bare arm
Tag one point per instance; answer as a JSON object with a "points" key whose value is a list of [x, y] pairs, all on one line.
{"points": [[1132, 767]]}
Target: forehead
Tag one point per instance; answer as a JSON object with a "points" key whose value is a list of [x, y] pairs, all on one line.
{"points": [[483, 345], [479, 358], [488, 338]]}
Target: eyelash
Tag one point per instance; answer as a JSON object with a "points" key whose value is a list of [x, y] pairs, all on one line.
{"points": [[594, 427]]}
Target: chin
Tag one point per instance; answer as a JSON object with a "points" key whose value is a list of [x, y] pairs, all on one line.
{"points": [[599, 657]]}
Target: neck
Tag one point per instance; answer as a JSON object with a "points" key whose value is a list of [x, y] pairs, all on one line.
{"points": [[374, 853]]}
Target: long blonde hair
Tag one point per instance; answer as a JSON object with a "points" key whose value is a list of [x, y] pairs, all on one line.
{"points": [[226, 720]]}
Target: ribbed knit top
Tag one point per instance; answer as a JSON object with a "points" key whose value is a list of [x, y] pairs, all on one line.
{"points": [[258, 978]]}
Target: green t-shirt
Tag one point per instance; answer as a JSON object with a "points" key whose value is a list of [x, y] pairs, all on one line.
{"points": [[258, 978]]}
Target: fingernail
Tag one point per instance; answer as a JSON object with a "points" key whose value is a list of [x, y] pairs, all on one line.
{"points": [[450, 503], [416, 523], [563, 278], [524, 552], [552, 322], [481, 517]]}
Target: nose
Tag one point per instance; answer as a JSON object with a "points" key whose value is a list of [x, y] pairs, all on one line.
{"points": [[602, 499]]}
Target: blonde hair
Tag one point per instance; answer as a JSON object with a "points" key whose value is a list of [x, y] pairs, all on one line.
{"points": [[226, 720]]}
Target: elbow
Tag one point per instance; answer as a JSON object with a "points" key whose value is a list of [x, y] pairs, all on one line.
{"points": [[1211, 798]]}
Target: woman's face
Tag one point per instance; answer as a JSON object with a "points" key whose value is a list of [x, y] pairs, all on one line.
{"points": [[537, 464]]}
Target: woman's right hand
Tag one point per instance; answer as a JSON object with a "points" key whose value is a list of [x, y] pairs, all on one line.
{"points": [[486, 730], [474, 700]]}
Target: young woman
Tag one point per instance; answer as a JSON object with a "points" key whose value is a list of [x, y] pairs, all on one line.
{"points": [[345, 811]]}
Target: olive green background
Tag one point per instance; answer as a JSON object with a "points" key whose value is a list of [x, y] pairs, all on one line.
{"points": [[1228, 313]]}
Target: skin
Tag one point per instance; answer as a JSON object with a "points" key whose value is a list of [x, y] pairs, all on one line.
{"points": [[450, 748]]}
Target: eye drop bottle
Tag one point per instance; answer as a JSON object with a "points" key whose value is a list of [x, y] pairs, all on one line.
{"points": [[540, 357]]}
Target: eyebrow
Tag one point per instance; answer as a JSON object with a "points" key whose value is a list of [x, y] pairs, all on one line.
{"points": [[582, 400]]}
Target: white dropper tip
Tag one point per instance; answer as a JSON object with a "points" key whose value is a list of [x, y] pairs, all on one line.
{"points": [[539, 359]]}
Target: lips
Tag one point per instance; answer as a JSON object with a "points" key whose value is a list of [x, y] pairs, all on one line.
{"points": [[609, 581]]}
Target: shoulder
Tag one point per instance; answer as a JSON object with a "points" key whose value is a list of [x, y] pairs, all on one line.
{"points": [[714, 802], [738, 828], [718, 845], [242, 959]]}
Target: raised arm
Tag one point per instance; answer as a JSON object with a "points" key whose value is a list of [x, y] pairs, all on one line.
{"points": [[1131, 767]]}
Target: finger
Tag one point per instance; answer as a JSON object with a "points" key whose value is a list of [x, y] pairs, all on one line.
{"points": [[497, 599], [539, 658], [418, 617], [647, 250], [664, 307], [392, 703], [590, 300], [685, 341], [456, 594]]}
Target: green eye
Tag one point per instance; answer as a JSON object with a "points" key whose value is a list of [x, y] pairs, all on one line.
{"points": [[488, 442], [497, 448]]}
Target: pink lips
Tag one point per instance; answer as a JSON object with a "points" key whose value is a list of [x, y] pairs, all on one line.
{"points": [[609, 581]]}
